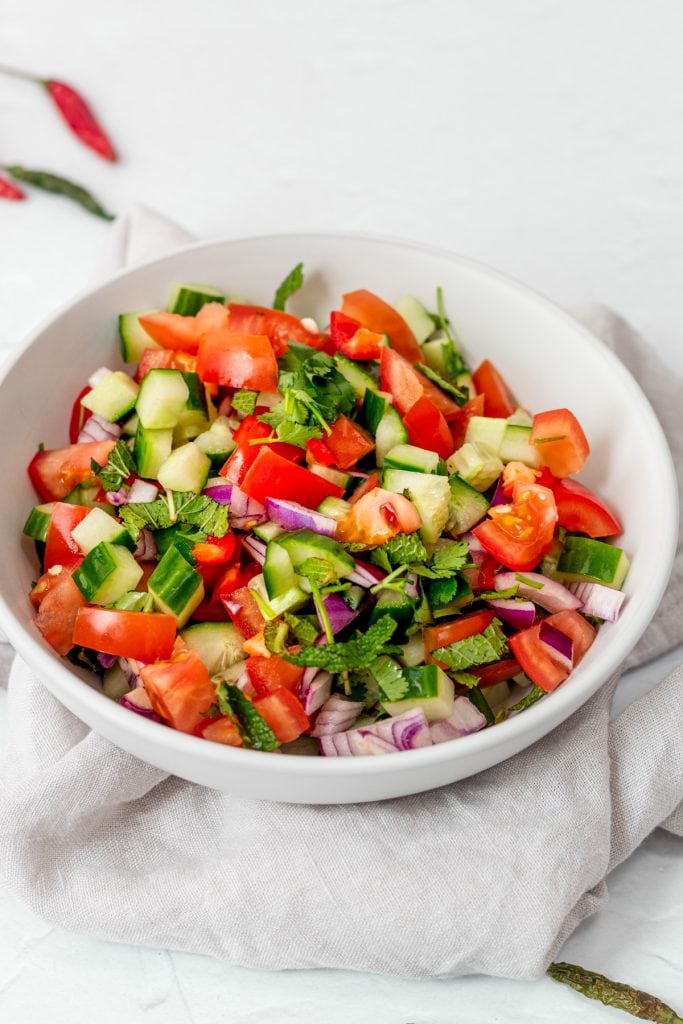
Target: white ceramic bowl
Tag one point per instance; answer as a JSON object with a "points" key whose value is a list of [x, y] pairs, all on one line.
{"points": [[548, 359]]}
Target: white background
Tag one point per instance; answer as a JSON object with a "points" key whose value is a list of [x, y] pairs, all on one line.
{"points": [[542, 137]]}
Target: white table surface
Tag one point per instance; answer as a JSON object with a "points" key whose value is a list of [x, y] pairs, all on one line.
{"points": [[540, 137]]}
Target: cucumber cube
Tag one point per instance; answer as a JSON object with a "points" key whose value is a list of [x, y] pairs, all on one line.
{"points": [[517, 446], [194, 418], [303, 544], [152, 448], [592, 561], [113, 398], [416, 316], [185, 469], [359, 379], [135, 601], [99, 526], [218, 644], [390, 432], [335, 476], [467, 506], [486, 430], [429, 493], [176, 587], [408, 456], [38, 521], [278, 571], [335, 508], [162, 398], [477, 464], [429, 688], [399, 606], [133, 336], [188, 299], [217, 442], [107, 573]]}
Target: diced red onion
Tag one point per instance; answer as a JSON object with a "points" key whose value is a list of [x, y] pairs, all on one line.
{"points": [[99, 375], [561, 645], [244, 683], [463, 720], [520, 614], [550, 594], [138, 701], [146, 549], [222, 493], [366, 575], [404, 732], [315, 689], [245, 508], [142, 491], [118, 498], [410, 589], [290, 515], [256, 548], [98, 429], [598, 600], [360, 473], [476, 550], [131, 669], [339, 613], [107, 660], [336, 715], [499, 495]]}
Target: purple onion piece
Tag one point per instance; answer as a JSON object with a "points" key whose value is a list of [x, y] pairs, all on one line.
{"points": [[561, 645], [365, 574], [411, 586], [336, 715], [245, 508], [256, 548], [463, 720], [315, 690], [499, 495], [146, 549], [339, 612], [98, 429], [131, 670], [361, 474], [222, 493], [549, 594], [142, 491], [138, 701], [107, 660], [520, 614], [599, 600], [476, 550], [290, 515], [404, 732], [99, 375], [118, 498]]}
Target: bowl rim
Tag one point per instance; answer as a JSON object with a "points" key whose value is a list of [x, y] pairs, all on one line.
{"points": [[537, 720]]}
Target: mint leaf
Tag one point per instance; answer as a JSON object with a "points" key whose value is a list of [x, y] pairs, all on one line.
{"points": [[481, 649], [291, 284], [378, 557], [317, 570], [388, 674], [275, 635], [305, 632], [352, 655], [119, 466], [465, 679], [253, 729], [460, 395], [177, 507], [404, 549], [244, 402]]}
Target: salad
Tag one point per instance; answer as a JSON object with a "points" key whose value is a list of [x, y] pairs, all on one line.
{"points": [[338, 542]]}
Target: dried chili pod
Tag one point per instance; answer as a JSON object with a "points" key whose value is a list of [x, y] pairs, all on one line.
{"points": [[8, 190], [59, 186]]}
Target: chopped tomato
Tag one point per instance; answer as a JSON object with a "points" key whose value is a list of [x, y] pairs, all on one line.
{"points": [[498, 398], [560, 442], [378, 516], [268, 674], [342, 328], [234, 578], [171, 330], [582, 511], [58, 601], [271, 476], [243, 610], [348, 442], [55, 472], [210, 610], [220, 730], [164, 359], [317, 452], [364, 344], [215, 550], [518, 472], [449, 409], [256, 645], [428, 429], [451, 632], [485, 573], [180, 690], [537, 659], [237, 360], [245, 454], [145, 636], [60, 547], [517, 535], [406, 386], [475, 407], [280, 327], [364, 488], [284, 713], [498, 672], [79, 416], [378, 316]]}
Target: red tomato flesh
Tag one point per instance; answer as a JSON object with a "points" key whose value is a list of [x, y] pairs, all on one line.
{"points": [[518, 535], [560, 441], [58, 601], [79, 416], [451, 632], [269, 674], [271, 476], [428, 429], [243, 611], [537, 659], [348, 442], [220, 730], [284, 713], [245, 454], [145, 636], [55, 472], [377, 516], [475, 407], [498, 399], [60, 547], [378, 316], [180, 690], [237, 360], [280, 327], [582, 511]]}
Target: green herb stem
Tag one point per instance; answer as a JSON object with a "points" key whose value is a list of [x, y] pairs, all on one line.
{"points": [[54, 183], [322, 612]]}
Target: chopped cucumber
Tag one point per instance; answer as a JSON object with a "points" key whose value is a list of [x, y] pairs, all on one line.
{"points": [[115, 682], [413, 652], [433, 355], [267, 531], [176, 587], [467, 506], [429, 493], [99, 526], [517, 447], [188, 299], [130, 426], [38, 521], [135, 601], [113, 398], [477, 464], [133, 336], [217, 442], [592, 561], [390, 432], [416, 316], [408, 456], [278, 571], [335, 476], [289, 600], [359, 379], [486, 430], [181, 537], [106, 573], [185, 469], [429, 688], [303, 544], [374, 405], [218, 644], [497, 694], [399, 606], [152, 448], [194, 418], [521, 418], [162, 398], [336, 508], [85, 494]]}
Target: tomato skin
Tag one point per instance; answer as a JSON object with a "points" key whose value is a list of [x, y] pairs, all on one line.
{"points": [[145, 636], [243, 611], [364, 344], [319, 453], [475, 407], [485, 574], [58, 601], [378, 316], [245, 454], [536, 658], [582, 511], [237, 360], [560, 441], [348, 442], [369, 484], [271, 476], [428, 429], [268, 674], [171, 330], [221, 729], [215, 550], [377, 516], [284, 713], [164, 359], [407, 386], [518, 535], [180, 690], [497, 672], [79, 415], [451, 632], [498, 399], [54, 472], [342, 328], [278, 326], [60, 547]]}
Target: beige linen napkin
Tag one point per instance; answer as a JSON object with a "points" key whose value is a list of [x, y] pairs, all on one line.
{"points": [[489, 875]]}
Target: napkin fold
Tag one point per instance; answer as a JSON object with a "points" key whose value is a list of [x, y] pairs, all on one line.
{"points": [[488, 875]]}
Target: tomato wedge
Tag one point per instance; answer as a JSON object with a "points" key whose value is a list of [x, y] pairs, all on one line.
{"points": [[182, 333], [145, 636], [348, 442], [364, 344], [237, 360], [243, 611], [79, 416], [55, 472], [498, 672], [537, 659], [244, 455], [284, 713], [377, 516], [318, 452], [60, 547], [342, 328], [215, 551], [582, 511], [451, 632], [428, 429], [475, 407], [498, 399], [180, 690], [271, 476], [58, 601], [220, 730], [378, 316], [280, 327], [560, 441], [164, 359], [406, 386], [517, 535], [268, 674]]}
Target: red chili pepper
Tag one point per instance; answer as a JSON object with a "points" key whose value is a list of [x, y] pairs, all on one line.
{"points": [[80, 118], [8, 190]]}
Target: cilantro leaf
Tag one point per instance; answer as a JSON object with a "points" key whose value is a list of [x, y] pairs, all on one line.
{"points": [[253, 729], [460, 395], [303, 628], [291, 433], [393, 685], [352, 655], [441, 592], [291, 284], [117, 468], [405, 548], [450, 559], [244, 402], [481, 649]]}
